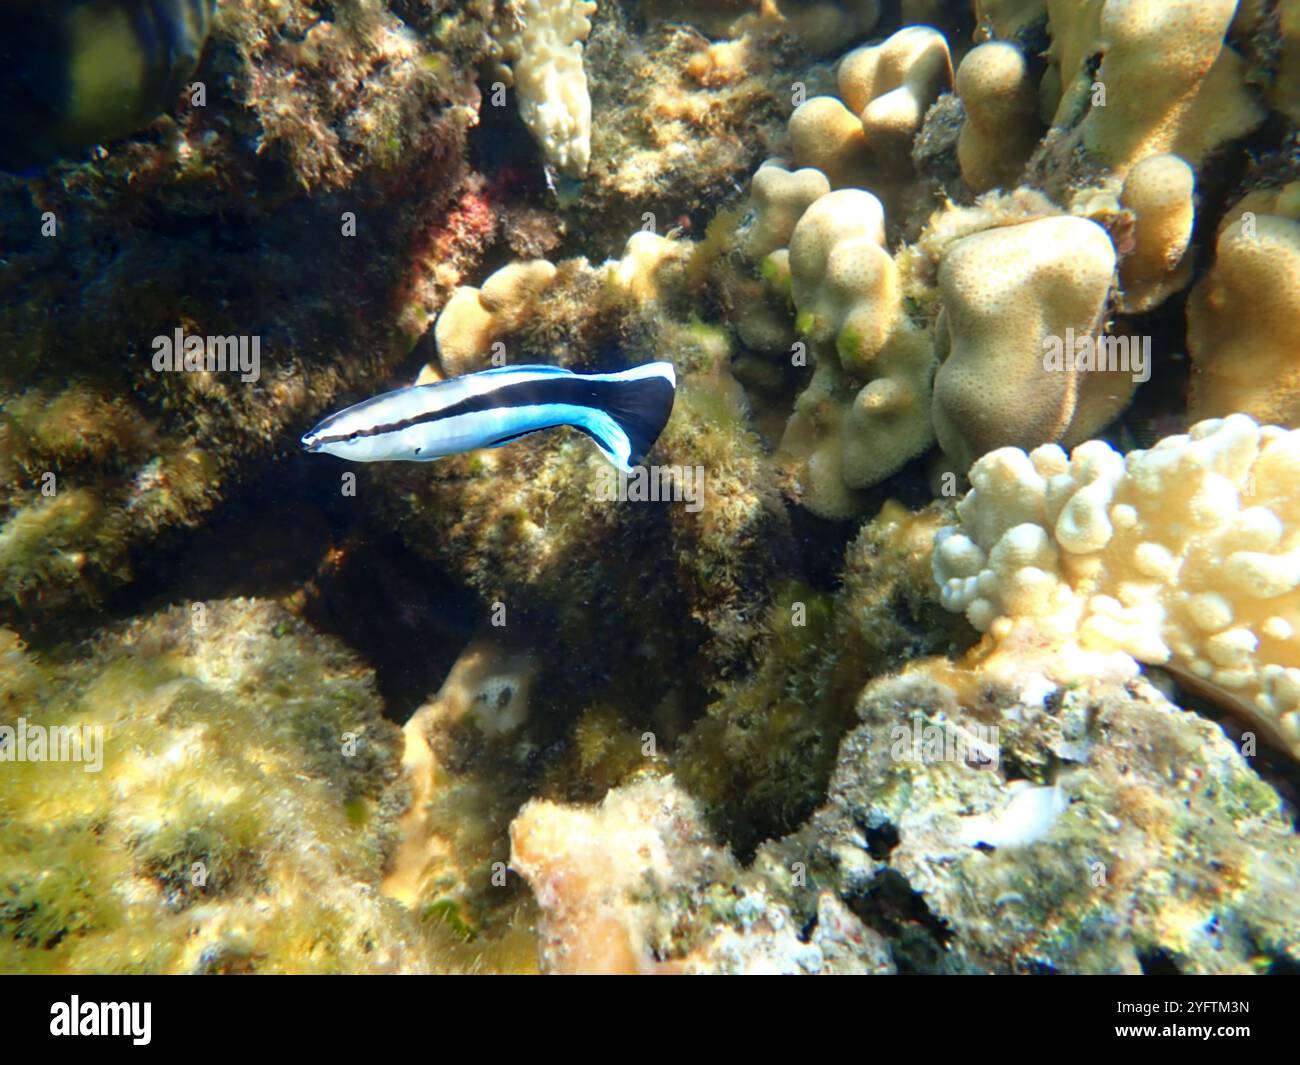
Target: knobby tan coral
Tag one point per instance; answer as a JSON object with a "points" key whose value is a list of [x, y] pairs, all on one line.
{"points": [[865, 412], [476, 318], [1009, 296], [1168, 82], [1159, 192], [1243, 319], [1000, 101], [1185, 556]]}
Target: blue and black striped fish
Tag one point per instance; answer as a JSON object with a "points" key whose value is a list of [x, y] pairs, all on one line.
{"points": [[624, 413]]}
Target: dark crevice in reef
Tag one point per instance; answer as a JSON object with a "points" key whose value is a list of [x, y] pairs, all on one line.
{"points": [[918, 938], [292, 534], [1157, 963], [821, 543], [881, 841], [958, 22], [501, 142]]}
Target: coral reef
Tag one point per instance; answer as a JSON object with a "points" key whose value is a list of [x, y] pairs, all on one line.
{"points": [[818, 25], [977, 821], [1097, 215], [781, 700], [680, 118], [1180, 556]]}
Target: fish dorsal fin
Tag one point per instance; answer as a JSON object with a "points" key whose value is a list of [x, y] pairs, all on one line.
{"points": [[528, 368]]}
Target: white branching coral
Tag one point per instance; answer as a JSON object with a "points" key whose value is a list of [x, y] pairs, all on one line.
{"points": [[544, 52], [1185, 556]]}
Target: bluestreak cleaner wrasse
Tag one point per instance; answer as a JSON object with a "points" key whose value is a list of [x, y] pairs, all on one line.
{"points": [[624, 413], [76, 73]]}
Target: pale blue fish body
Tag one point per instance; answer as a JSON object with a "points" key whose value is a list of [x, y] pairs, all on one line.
{"points": [[622, 412]]}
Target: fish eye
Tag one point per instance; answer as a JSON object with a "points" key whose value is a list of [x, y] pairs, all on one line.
{"points": [[354, 436]]}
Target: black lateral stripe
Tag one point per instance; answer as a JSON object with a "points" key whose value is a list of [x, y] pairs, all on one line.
{"points": [[574, 391]]}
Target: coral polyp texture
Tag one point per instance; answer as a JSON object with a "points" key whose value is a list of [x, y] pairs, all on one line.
{"points": [[1189, 100], [864, 413], [1160, 194], [1000, 102], [1009, 295], [1023, 211], [890, 86], [475, 319], [1182, 556]]}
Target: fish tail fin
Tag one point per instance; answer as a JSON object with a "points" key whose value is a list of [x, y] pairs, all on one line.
{"points": [[640, 401]]}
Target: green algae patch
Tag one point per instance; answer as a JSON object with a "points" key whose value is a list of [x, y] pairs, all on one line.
{"points": [[239, 817]]}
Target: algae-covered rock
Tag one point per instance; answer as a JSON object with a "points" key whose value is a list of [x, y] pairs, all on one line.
{"points": [[1127, 835], [175, 308], [232, 808], [636, 885], [761, 756]]}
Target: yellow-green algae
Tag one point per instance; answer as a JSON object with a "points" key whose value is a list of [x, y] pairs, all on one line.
{"points": [[240, 822]]}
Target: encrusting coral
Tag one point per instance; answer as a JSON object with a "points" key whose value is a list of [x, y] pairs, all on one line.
{"points": [[638, 886], [458, 747]]}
